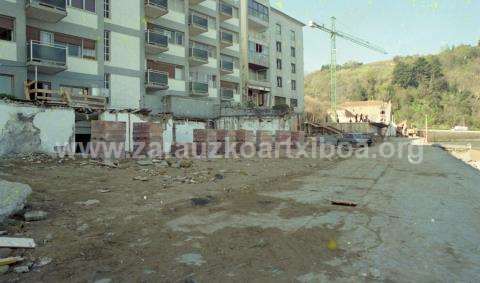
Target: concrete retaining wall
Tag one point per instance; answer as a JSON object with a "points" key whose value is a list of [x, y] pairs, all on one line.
{"points": [[28, 129], [255, 124], [450, 136]]}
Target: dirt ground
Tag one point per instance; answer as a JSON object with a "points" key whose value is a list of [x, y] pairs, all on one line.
{"points": [[123, 234], [254, 220]]}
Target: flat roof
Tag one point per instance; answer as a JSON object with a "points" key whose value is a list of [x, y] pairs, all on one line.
{"points": [[287, 16]]}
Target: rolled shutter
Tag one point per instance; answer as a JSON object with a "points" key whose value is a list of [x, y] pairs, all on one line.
{"points": [[33, 33], [6, 23], [88, 43], [63, 38]]}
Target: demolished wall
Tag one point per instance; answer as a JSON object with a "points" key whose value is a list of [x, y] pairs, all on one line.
{"points": [[31, 129], [250, 123]]}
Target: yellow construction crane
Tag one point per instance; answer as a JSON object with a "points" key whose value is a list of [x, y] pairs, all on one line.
{"points": [[333, 53]]}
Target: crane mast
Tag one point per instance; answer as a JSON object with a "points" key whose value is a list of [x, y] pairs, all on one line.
{"points": [[333, 56]]}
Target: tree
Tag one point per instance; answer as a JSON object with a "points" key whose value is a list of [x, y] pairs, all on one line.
{"points": [[403, 75]]}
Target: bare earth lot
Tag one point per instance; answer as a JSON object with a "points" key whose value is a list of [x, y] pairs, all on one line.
{"points": [[265, 220]]}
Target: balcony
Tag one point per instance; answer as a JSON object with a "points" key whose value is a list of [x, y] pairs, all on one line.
{"points": [[197, 24], [226, 67], [195, 2], [51, 11], [226, 11], [46, 58], [199, 88], [197, 56], [227, 94], [258, 16], [156, 43], [226, 39], [156, 80], [156, 8], [259, 60], [258, 76]]}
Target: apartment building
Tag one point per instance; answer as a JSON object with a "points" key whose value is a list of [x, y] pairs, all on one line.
{"points": [[188, 58]]}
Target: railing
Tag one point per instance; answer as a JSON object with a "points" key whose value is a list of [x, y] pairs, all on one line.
{"points": [[56, 4], [55, 54], [226, 36], [260, 59], [197, 53], [226, 65], [226, 9], [198, 20], [256, 13], [227, 93], [199, 87], [155, 38], [157, 78], [259, 77], [159, 3], [253, 36]]}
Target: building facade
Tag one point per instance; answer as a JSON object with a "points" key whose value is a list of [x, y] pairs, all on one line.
{"points": [[189, 58]]}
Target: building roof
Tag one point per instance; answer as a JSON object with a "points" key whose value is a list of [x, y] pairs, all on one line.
{"points": [[287, 16], [369, 103]]}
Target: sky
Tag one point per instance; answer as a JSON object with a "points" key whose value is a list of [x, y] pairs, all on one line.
{"points": [[401, 27]]}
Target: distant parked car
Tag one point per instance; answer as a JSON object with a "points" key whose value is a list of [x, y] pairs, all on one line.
{"points": [[355, 140]]}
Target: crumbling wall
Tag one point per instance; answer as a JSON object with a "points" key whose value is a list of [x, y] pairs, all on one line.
{"points": [[184, 130], [252, 123], [29, 129]]}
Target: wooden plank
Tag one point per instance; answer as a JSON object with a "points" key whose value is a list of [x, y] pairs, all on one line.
{"points": [[27, 243], [10, 260]]}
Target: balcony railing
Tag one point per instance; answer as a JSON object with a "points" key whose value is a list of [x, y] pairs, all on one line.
{"points": [[226, 37], [55, 4], [198, 54], [156, 79], [158, 3], [155, 38], [198, 21], [226, 65], [258, 76], [226, 9], [227, 93], [260, 59], [46, 53], [199, 88]]}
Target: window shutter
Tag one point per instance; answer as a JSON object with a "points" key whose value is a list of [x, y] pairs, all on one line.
{"points": [[63, 38], [6, 23], [88, 43], [33, 33]]}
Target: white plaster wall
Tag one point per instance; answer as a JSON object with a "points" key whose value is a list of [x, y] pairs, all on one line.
{"points": [[210, 4], [81, 17], [56, 126], [176, 85], [8, 50], [175, 16], [84, 66], [176, 50], [272, 124], [168, 136], [125, 14], [212, 62], [124, 92], [125, 51], [184, 130]]}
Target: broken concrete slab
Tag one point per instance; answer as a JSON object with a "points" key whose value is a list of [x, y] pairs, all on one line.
{"points": [[13, 197], [26, 243]]}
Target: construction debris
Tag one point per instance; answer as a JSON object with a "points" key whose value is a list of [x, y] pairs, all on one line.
{"points": [[35, 215], [10, 260], [343, 203], [26, 243]]}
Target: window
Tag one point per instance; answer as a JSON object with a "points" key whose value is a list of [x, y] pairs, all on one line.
{"points": [[6, 84], [293, 103], [75, 90], [76, 46], [106, 81], [279, 64], [294, 68], [293, 51], [279, 47], [106, 8], [279, 82], [88, 5], [106, 45], [294, 85], [280, 100], [258, 10], [292, 36], [6, 28], [278, 29], [74, 50]]}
